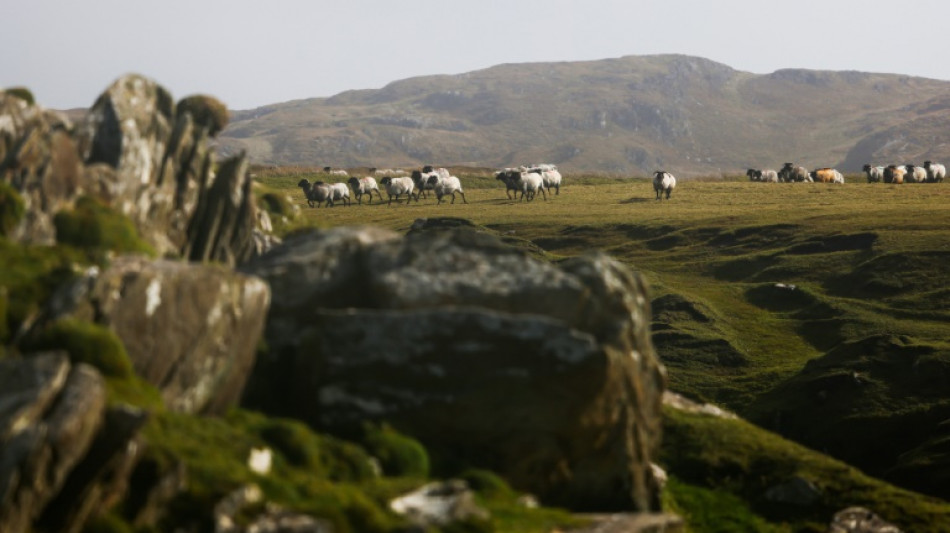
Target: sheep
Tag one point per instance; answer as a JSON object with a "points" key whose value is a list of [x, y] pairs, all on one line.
{"points": [[398, 187], [339, 191], [839, 177], [510, 178], [894, 174], [550, 176], [316, 192], [335, 172], [790, 173], [935, 171], [663, 182], [449, 185], [875, 174], [529, 183], [365, 186], [766, 175], [915, 174], [826, 175]]}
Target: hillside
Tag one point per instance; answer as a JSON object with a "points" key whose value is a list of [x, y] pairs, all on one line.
{"points": [[629, 115]]}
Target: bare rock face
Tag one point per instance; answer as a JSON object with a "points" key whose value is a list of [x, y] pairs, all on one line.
{"points": [[38, 157], [543, 373], [191, 330], [59, 446], [860, 520]]}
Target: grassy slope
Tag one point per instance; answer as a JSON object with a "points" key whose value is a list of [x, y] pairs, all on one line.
{"points": [[719, 248]]}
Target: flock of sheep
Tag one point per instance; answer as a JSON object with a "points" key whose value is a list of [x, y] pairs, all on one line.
{"points": [[528, 180], [929, 173], [532, 179]]}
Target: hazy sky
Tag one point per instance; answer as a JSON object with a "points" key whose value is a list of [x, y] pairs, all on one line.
{"points": [[253, 53]]}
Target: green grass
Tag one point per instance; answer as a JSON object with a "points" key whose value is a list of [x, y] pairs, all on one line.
{"points": [[866, 260]]}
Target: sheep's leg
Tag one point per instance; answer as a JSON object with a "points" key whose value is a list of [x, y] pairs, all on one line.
{"points": [[463, 198], [544, 194]]}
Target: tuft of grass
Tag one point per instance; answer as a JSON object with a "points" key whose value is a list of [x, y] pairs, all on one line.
{"points": [[22, 93], [398, 455], [94, 226]]}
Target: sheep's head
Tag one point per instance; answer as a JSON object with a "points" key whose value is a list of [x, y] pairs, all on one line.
{"points": [[303, 184], [386, 180]]}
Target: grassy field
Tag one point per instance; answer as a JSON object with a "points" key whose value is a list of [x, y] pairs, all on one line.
{"points": [[818, 311]]}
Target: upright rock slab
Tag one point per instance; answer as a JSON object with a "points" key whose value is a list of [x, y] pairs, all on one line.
{"points": [[543, 373]]}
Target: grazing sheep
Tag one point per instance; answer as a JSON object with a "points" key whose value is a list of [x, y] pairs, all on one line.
{"points": [[398, 187], [875, 174], [316, 192], [365, 186], [790, 173], [446, 186], [339, 191], [935, 171], [839, 177], [753, 174], [663, 182], [915, 174], [894, 174], [510, 178]]}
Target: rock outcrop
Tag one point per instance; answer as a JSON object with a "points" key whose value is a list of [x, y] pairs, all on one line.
{"points": [[191, 330], [63, 453], [134, 152], [543, 373]]}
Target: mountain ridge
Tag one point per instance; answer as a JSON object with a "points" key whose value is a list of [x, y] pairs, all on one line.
{"points": [[624, 115]]}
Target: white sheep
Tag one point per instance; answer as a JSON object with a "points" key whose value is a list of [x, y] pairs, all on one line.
{"points": [[446, 186], [398, 187], [936, 172], [875, 174], [529, 183], [339, 191], [915, 174], [365, 186], [550, 176], [663, 182]]}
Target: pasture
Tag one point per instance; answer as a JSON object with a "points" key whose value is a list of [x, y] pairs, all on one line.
{"points": [[819, 311]]}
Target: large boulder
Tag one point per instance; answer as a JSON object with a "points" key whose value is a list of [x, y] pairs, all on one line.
{"points": [[60, 446], [490, 357], [191, 330]]}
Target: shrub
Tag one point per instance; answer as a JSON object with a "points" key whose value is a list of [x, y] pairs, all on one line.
{"points": [[11, 209], [206, 111], [398, 454], [22, 93], [93, 225], [86, 343]]}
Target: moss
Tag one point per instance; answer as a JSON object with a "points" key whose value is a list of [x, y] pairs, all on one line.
{"points": [[487, 483], [11, 209], [30, 274], [206, 111], [86, 343], [398, 454], [94, 226], [22, 93]]}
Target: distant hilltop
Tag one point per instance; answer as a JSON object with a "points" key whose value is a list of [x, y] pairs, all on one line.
{"points": [[629, 115]]}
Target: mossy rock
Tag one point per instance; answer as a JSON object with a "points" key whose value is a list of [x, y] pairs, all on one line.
{"points": [[86, 343], [398, 455], [93, 225], [30, 275], [206, 111], [22, 93], [11, 209]]}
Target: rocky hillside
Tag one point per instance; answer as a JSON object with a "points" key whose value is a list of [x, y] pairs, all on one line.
{"points": [[627, 115]]}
